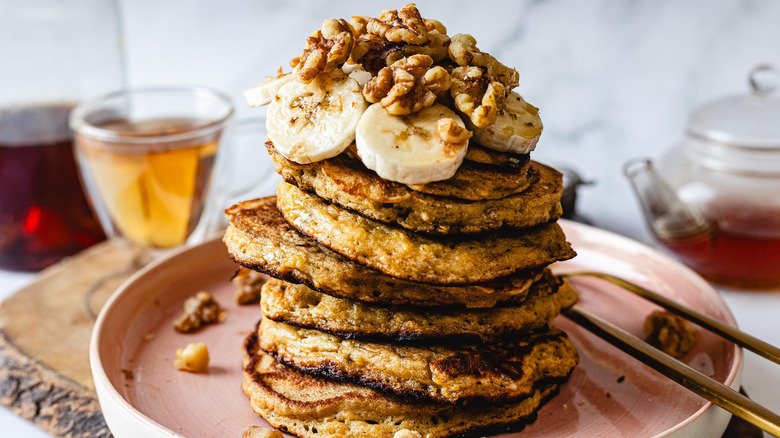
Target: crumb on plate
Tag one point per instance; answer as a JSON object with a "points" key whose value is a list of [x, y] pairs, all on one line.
{"points": [[261, 432], [193, 358], [199, 310]]}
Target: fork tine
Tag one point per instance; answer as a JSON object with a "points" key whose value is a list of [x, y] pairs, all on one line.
{"points": [[740, 338], [703, 385]]}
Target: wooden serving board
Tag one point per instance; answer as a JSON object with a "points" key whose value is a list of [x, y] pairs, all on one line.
{"points": [[44, 342]]}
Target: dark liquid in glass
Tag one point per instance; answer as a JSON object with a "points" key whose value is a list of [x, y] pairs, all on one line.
{"points": [[44, 215], [733, 252]]}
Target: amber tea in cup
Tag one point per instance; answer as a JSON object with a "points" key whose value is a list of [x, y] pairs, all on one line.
{"points": [[147, 158]]}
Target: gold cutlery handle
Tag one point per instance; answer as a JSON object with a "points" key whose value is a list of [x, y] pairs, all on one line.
{"points": [[681, 373]]}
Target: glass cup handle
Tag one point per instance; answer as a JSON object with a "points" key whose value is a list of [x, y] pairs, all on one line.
{"points": [[244, 171], [251, 168]]}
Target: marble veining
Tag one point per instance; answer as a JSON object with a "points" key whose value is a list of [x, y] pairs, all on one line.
{"points": [[613, 79]]}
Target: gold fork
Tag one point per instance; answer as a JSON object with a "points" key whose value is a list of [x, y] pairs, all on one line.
{"points": [[701, 384]]}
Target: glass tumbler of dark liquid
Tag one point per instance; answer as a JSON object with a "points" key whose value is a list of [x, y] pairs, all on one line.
{"points": [[54, 53]]}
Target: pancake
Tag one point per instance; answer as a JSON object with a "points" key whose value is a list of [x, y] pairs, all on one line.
{"points": [[297, 305], [472, 181], [312, 407], [496, 176], [477, 154], [259, 238], [346, 182], [463, 374], [414, 257]]}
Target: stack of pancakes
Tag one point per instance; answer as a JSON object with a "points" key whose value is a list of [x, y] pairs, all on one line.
{"points": [[423, 307]]}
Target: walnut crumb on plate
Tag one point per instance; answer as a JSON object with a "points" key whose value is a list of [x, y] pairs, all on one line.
{"points": [[199, 310], [671, 334], [193, 358], [261, 432]]}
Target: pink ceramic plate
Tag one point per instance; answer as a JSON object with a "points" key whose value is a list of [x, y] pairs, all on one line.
{"points": [[609, 394]]}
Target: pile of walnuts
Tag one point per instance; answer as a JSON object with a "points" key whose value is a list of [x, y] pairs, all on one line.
{"points": [[412, 64]]}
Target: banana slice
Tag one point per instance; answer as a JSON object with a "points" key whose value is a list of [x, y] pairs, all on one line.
{"points": [[263, 94], [517, 127], [314, 121], [418, 148]]}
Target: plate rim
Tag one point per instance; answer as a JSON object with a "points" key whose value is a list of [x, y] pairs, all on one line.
{"points": [[104, 388], [735, 372]]}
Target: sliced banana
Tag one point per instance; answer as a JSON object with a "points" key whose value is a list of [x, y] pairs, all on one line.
{"points": [[263, 94], [314, 121], [517, 127], [410, 149]]}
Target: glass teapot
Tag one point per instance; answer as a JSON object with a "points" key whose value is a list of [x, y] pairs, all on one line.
{"points": [[714, 199]]}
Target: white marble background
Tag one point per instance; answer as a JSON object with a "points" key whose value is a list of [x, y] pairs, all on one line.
{"points": [[614, 79]]}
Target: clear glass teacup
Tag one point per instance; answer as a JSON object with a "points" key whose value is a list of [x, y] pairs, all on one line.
{"points": [[154, 162]]}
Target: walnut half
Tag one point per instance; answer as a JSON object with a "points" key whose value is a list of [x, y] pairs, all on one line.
{"points": [[326, 49], [670, 333], [463, 50], [247, 284], [199, 310], [476, 95], [452, 136], [407, 86], [405, 26]]}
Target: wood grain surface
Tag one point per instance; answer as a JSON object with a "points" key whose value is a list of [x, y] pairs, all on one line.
{"points": [[44, 340]]}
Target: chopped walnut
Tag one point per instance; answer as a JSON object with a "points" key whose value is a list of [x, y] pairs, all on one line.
{"points": [[247, 284], [437, 47], [476, 95], [405, 26], [408, 85], [431, 25], [375, 53], [193, 358], [261, 432], [452, 136], [199, 309], [406, 433], [463, 50], [326, 50], [359, 23], [670, 333]]}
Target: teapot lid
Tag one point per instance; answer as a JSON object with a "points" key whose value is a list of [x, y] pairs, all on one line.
{"points": [[750, 120]]}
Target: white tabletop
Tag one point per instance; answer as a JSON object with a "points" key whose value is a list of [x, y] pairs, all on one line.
{"points": [[614, 80]]}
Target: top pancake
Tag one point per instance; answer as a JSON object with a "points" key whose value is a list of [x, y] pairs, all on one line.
{"points": [[497, 196], [477, 154], [494, 176]]}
